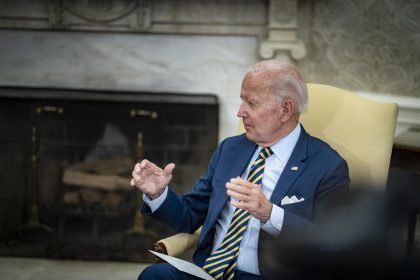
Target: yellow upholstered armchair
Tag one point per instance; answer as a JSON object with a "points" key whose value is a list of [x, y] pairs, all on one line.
{"points": [[360, 130]]}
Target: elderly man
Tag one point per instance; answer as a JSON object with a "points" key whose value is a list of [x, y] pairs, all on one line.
{"points": [[272, 179]]}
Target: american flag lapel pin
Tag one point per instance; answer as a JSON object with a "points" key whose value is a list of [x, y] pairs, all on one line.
{"points": [[294, 168]]}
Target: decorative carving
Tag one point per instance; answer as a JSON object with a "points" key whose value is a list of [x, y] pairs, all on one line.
{"points": [[296, 50], [282, 42], [283, 11], [100, 11], [107, 14], [227, 17], [54, 14], [370, 46]]}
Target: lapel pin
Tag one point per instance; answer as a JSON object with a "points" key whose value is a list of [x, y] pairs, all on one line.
{"points": [[294, 168]]}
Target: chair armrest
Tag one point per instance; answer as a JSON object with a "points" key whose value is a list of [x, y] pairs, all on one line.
{"points": [[177, 244]]}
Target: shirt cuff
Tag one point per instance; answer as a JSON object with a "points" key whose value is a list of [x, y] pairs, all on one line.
{"points": [[275, 223], [154, 204]]}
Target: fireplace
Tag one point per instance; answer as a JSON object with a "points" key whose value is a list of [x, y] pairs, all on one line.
{"points": [[66, 164]]}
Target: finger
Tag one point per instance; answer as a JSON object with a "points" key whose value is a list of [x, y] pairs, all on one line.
{"points": [[150, 166], [137, 183], [233, 187], [145, 164], [237, 188], [136, 177], [137, 168], [239, 204], [168, 169], [238, 196], [236, 204], [238, 180], [242, 182]]}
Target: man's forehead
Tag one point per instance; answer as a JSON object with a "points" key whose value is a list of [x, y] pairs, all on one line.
{"points": [[257, 95], [257, 81]]}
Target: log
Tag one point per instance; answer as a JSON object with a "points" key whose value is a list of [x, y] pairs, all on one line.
{"points": [[103, 174], [112, 200], [90, 196], [71, 197]]}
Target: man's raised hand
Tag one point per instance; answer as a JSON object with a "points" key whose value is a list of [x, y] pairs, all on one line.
{"points": [[151, 179]]}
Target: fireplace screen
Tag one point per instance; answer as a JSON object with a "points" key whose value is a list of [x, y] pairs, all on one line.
{"points": [[68, 161]]}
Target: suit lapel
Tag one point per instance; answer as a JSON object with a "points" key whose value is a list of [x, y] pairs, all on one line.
{"points": [[241, 155], [292, 170], [235, 165]]}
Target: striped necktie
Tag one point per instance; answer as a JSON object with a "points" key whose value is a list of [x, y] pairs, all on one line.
{"points": [[222, 262]]}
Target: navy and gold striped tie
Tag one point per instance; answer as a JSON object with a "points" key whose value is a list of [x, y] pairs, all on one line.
{"points": [[222, 262]]}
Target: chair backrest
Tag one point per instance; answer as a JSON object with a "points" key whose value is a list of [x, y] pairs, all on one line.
{"points": [[360, 130]]}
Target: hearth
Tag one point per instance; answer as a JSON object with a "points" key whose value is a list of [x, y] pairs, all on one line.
{"points": [[67, 160]]}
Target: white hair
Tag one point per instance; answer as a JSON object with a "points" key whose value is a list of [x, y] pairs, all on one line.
{"points": [[286, 81]]}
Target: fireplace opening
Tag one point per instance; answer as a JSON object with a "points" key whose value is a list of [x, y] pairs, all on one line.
{"points": [[67, 161]]}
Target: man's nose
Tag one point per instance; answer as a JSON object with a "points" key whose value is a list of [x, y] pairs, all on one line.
{"points": [[241, 112]]}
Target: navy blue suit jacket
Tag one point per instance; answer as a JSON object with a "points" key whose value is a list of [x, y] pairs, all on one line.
{"points": [[320, 170]]}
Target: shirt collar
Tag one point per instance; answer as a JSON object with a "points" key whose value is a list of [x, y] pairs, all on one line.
{"points": [[283, 148]]}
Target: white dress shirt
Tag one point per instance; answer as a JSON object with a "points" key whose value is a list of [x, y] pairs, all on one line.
{"points": [[274, 165]]}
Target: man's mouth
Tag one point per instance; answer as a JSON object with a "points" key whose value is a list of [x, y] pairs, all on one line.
{"points": [[247, 127]]}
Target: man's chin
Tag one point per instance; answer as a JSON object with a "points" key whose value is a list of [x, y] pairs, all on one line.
{"points": [[249, 135]]}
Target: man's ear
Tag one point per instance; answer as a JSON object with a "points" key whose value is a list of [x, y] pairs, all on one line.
{"points": [[287, 109]]}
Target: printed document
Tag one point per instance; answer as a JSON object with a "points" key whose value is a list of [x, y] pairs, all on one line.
{"points": [[184, 266]]}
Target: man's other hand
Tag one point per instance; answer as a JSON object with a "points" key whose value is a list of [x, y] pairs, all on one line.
{"points": [[250, 197]]}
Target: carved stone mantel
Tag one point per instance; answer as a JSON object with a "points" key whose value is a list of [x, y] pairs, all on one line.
{"points": [[228, 17], [277, 34]]}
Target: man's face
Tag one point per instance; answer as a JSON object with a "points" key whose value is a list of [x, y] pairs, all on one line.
{"points": [[262, 114]]}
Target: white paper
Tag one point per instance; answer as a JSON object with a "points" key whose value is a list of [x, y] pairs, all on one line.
{"points": [[184, 266]]}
